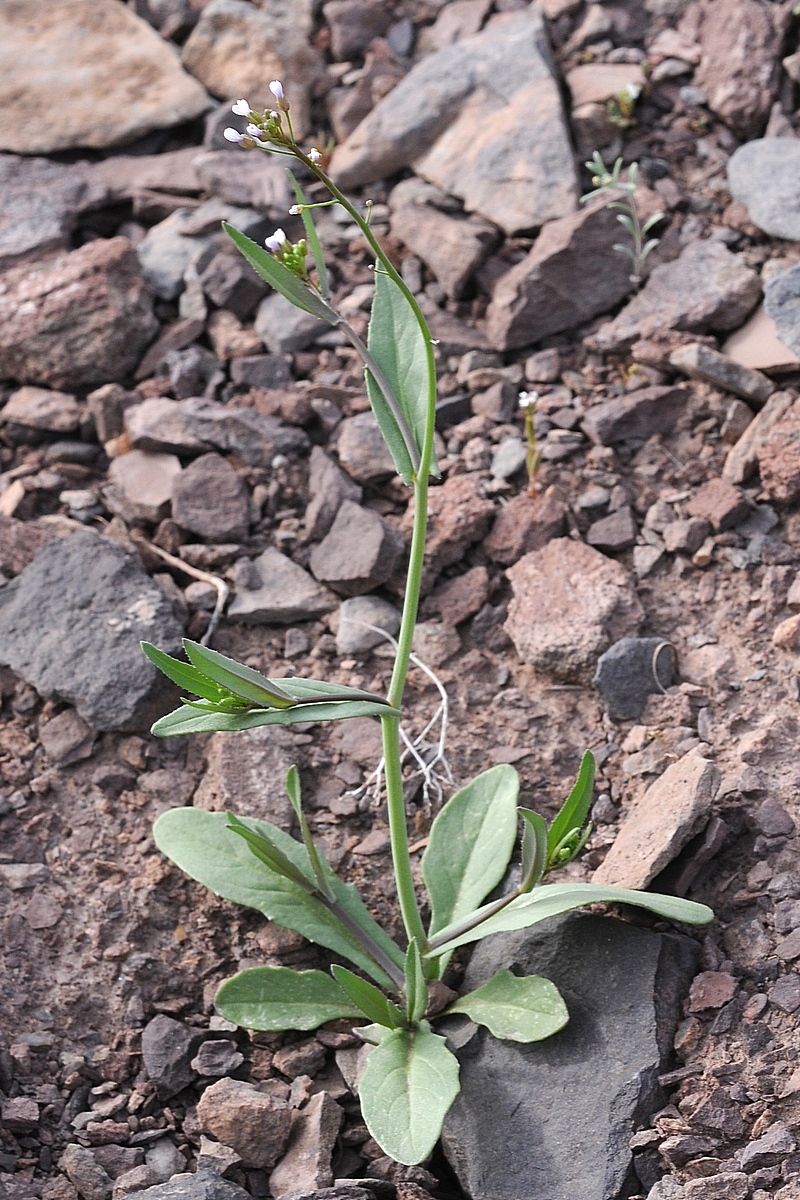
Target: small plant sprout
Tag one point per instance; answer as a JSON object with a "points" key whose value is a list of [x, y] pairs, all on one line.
{"points": [[621, 195], [533, 459], [622, 106], [386, 989]]}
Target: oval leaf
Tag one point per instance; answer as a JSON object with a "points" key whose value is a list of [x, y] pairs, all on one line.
{"points": [[277, 998], [408, 1085], [520, 1009]]}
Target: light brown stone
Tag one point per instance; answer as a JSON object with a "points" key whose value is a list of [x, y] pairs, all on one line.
{"points": [[739, 68], [757, 345], [594, 83], [254, 1124], [742, 458], [779, 459], [306, 1165], [140, 485], [245, 772]]}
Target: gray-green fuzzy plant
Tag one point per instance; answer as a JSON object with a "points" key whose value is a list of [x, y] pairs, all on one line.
{"points": [[621, 195], [411, 1077]]}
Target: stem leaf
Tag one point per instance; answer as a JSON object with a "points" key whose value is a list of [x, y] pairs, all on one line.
{"points": [[280, 277], [520, 1009], [190, 720], [236, 677], [416, 988], [278, 998], [534, 848], [313, 239], [575, 809], [187, 677], [368, 999]]}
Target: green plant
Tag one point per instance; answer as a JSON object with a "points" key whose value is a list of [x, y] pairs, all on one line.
{"points": [[621, 107], [411, 1077], [533, 458], [622, 199]]}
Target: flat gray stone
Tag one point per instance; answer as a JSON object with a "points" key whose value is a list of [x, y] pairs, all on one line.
{"points": [[362, 451], [554, 1119], [328, 486], [168, 1047], [638, 414], [251, 436], [93, 604], [165, 252], [204, 1185], [701, 362], [287, 594], [355, 614], [359, 552], [764, 176], [284, 328], [40, 202]]}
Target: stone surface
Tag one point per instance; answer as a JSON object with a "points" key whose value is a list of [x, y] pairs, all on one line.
{"points": [[661, 822], [630, 671], [685, 536], [359, 553], [353, 25], [459, 513], [739, 67], [435, 641], [40, 408], [166, 252], [728, 1185], [770, 1149], [254, 1124], [19, 543], [779, 459], [742, 459], [40, 202], [638, 414], [452, 247], [66, 738], [204, 1185], [567, 1135], [757, 345], [250, 435], [255, 180], [701, 362], [362, 451], [460, 597], [570, 603], [525, 523], [57, 59], [352, 636], [706, 288], [328, 487], [94, 604], [595, 83], [283, 327], [140, 486], [614, 533], [217, 1057], [306, 1162], [287, 594], [720, 503], [480, 119], [764, 176], [782, 305], [86, 1173], [210, 500], [75, 321], [168, 1047], [245, 772], [161, 426]]}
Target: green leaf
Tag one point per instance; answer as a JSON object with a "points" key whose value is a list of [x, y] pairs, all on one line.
{"points": [[520, 1009], [200, 844], [552, 899], [277, 998], [189, 720], [408, 1085], [269, 855], [369, 999], [534, 848], [416, 987], [295, 799], [575, 808], [187, 677], [305, 689], [280, 277], [470, 844], [651, 221], [236, 677], [312, 238], [396, 343]]}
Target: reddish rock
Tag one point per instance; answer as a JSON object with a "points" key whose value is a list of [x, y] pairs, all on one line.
{"points": [[307, 1163], [245, 772], [461, 597], [19, 543], [78, 320], [210, 500], [458, 515], [779, 460], [453, 247], [526, 523], [719, 503], [140, 485], [255, 1124], [637, 415], [711, 989], [743, 458], [739, 68]]}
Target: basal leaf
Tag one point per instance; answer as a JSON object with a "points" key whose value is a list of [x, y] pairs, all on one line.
{"points": [[280, 277], [408, 1085], [520, 1008], [267, 853], [187, 677], [575, 808], [369, 1000], [236, 677], [277, 998], [190, 720]]}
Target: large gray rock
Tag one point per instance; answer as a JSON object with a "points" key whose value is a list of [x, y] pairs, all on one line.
{"points": [[71, 623], [764, 175], [481, 119], [204, 1185], [86, 73], [359, 552], [554, 1119], [40, 202], [630, 671], [782, 304], [637, 414]]}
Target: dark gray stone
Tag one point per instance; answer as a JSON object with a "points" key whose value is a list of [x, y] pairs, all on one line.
{"points": [[204, 1185], [286, 594], [194, 371], [262, 370], [210, 500], [284, 328], [251, 436], [71, 623], [630, 671], [359, 553], [231, 283], [40, 202], [328, 486], [217, 1057], [168, 1047], [638, 415], [782, 303], [554, 1119]]}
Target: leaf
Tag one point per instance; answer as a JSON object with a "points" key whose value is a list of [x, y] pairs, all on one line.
{"points": [[236, 677], [648, 247], [369, 1000], [574, 810], [295, 799], [651, 221], [266, 853], [277, 998], [552, 899], [187, 677], [189, 720], [534, 848], [313, 238], [280, 277], [396, 343], [520, 1009], [627, 223], [408, 1085], [470, 844], [416, 987], [303, 689], [200, 844]]}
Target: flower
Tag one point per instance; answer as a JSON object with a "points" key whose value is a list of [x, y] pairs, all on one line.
{"points": [[276, 241], [276, 87], [232, 135], [314, 154], [241, 108], [253, 131], [295, 210], [632, 91], [526, 399]]}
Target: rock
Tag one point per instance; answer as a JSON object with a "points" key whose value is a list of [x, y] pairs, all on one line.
{"points": [[133, 1180], [460, 597], [216, 1157], [236, 49], [701, 362], [123, 177], [569, 604], [20, 541], [251, 436], [614, 533], [571, 274], [526, 523], [685, 537], [77, 320], [352, 636], [204, 1185], [434, 642], [283, 327], [20, 1114], [710, 990], [18, 877], [353, 25], [83, 1170], [362, 451], [262, 370], [256, 1125], [779, 460], [210, 500], [595, 83], [509, 457], [770, 1149], [742, 459], [94, 604], [40, 202], [785, 995], [452, 247], [638, 414], [706, 288], [661, 822], [359, 553], [666, 1189], [739, 67], [252, 179], [166, 252], [55, 61], [287, 594], [328, 487], [757, 345], [720, 503], [168, 1047], [623, 987], [481, 120], [161, 426], [738, 416], [140, 486], [772, 819], [164, 1159], [630, 671], [66, 739], [40, 408], [782, 305], [232, 284], [217, 1057], [720, 1114], [764, 175], [786, 635], [306, 1163], [245, 771], [458, 514], [728, 1185], [498, 402]]}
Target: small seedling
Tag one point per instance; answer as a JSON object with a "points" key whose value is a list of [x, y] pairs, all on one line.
{"points": [[621, 195], [621, 107], [411, 1077], [533, 459]]}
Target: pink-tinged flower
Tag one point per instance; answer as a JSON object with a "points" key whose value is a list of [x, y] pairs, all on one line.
{"points": [[276, 87], [276, 241], [241, 108], [232, 135], [314, 154]]}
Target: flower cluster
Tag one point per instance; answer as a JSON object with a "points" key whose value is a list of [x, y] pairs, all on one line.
{"points": [[265, 130]]}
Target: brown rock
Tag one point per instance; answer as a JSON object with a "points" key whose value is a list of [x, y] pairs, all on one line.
{"points": [[306, 1165], [526, 523], [353, 25], [20, 541], [720, 1114], [245, 772], [210, 500], [711, 989], [78, 320], [255, 1124], [593, 83], [39, 408], [614, 533], [719, 503], [639, 414], [359, 553], [458, 515], [498, 402], [460, 597], [779, 459], [661, 822], [435, 641], [140, 486], [742, 458], [362, 450], [570, 603], [686, 537], [786, 635], [66, 738], [453, 247], [739, 69]]}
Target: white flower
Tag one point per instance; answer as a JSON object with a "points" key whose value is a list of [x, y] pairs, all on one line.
{"points": [[314, 154], [295, 210], [275, 242], [253, 131], [274, 115], [276, 87], [526, 399], [632, 91], [232, 135], [241, 108]]}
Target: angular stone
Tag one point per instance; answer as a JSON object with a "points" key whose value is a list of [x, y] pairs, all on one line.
{"points": [[701, 362], [460, 597], [255, 1124], [166, 252], [251, 436], [252, 179], [459, 513], [569, 604], [210, 500], [328, 487], [77, 320], [306, 1164], [728, 1185], [167, 1049], [711, 989], [764, 176], [204, 1185], [58, 59], [40, 408], [481, 120], [359, 553], [362, 451], [352, 634], [739, 68], [526, 523], [452, 247], [782, 304], [161, 426], [435, 641], [742, 459], [779, 460], [140, 486], [630, 671], [217, 1058], [85, 1172], [719, 503], [284, 328], [661, 822], [123, 176], [287, 594], [93, 604], [766, 1151], [262, 370], [614, 533], [40, 202], [353, 25], [66, 738], [18, 877], [686, 537], [20, 541], [757, 345], [706, 288], [245, 772], [595, 83], [638, 414], [623, 986]]}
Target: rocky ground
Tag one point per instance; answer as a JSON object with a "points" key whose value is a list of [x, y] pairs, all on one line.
{"points": [[169, 433]]}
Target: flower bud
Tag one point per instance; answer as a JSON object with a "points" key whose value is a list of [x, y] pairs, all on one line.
{"points": [[233, 135], [241, 108]]}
